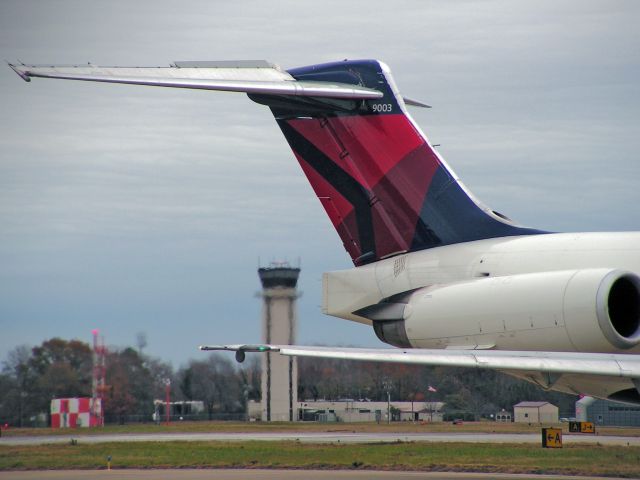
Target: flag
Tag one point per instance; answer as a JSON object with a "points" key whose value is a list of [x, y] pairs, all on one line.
{"points": [[431, 389]]}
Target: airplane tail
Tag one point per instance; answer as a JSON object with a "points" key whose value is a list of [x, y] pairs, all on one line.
{"points": [[382, 184]]}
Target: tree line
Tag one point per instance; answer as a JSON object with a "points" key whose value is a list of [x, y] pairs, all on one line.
{"points": [[467, 393], [58, 368]]}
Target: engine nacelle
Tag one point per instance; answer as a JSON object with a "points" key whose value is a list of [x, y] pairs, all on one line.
{"points": [[581, 310]]}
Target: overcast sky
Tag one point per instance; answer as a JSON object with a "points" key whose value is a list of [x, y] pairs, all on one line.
{"points": [[136, 209]]}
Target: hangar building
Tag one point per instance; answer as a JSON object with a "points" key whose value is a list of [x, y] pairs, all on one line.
{"points": [[602, 412]]}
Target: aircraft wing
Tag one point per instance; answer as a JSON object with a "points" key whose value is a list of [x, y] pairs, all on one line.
{"points": [[257, 77], [552, 363]]}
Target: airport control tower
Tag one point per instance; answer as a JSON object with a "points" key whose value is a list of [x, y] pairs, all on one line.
{"points": [[279, 373]]}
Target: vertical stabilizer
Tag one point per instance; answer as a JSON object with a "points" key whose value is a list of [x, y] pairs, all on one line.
{"points": [[383, 186]]}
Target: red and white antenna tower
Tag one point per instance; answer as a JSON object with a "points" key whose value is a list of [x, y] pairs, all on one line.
{"points": [[99, 384]]}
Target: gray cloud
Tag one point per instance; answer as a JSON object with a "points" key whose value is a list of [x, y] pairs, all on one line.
{"points": [[138, 209]]}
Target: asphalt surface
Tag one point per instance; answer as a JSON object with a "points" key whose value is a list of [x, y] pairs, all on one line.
{"points": [[223, 474], [323, 437]]}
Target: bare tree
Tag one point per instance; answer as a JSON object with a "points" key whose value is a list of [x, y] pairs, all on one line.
{"points": [[16, 385], [216, 382]]}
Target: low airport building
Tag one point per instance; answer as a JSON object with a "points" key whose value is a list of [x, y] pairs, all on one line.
{"points": [[365, 411], [535, 412], [603, 412], [358, 411], [190, 409]]}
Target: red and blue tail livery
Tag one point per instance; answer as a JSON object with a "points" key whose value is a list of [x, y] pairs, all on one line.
{"points": [[382, 184]]}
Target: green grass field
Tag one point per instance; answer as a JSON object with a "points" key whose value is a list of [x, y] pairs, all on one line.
{"points": [[576, 460]]}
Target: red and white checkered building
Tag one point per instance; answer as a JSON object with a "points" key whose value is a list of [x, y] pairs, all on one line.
{"points": [[75, 412]]}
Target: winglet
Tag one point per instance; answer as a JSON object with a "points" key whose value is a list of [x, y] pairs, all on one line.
{"points": [[22, 73]]}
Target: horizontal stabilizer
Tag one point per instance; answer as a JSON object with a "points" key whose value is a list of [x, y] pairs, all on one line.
{"points": [[415, 103], [249, 76]]}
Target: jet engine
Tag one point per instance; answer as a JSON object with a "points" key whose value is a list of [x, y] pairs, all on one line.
{"points": [[570, 310]]}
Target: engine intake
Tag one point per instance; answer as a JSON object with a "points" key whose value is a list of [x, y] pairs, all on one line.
{"points": [[618, 308]]}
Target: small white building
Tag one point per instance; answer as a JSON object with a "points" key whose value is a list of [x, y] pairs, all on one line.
{"points": [[535, 412], [365, 411], [504, 416]]}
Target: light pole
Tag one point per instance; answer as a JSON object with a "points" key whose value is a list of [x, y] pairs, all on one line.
{"points": [[387, 387], [413, 415], [167, 390]]}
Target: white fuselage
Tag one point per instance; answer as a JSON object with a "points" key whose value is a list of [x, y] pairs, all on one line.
{"points": [[522, 315]]}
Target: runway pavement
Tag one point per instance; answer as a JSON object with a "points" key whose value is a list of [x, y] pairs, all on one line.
{"points": [[323, 437], [224, 474]]}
